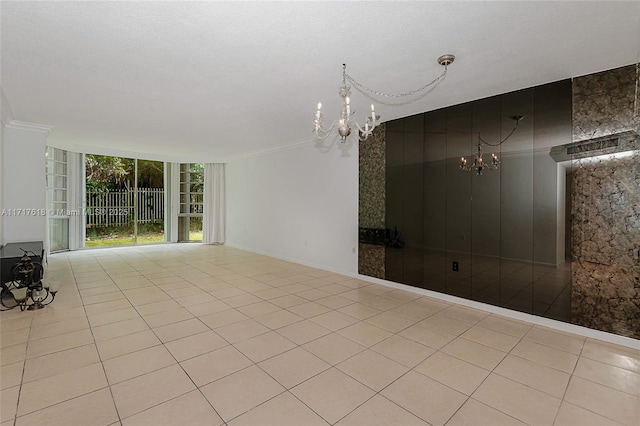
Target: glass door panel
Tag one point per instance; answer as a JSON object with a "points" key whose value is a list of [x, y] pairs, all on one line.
{"points": [[149, 208], [109, 200], [191, 202], [57, 207]]}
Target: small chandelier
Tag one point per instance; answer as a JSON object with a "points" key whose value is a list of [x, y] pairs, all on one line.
{"points": [[347, 123], [478, 164]]}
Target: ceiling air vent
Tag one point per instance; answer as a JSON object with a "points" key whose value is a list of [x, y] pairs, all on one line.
{"points": [[593, 146], [610, 144]]}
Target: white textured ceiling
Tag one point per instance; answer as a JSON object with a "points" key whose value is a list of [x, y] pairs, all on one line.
{"points": [[205, 81]]}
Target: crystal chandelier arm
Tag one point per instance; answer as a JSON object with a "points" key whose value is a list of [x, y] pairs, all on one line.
{"points": [[367, 131], [322, 132]]}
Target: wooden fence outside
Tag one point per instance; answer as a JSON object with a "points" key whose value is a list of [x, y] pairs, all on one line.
{"points": [[116, 208]]}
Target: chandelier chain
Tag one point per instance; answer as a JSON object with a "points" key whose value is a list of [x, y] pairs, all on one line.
{"points": [[369, 93], [346, 124], [505, 138]]}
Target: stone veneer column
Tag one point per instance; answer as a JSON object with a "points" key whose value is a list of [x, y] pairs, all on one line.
{"points": [[605, 226], [371, 206]]}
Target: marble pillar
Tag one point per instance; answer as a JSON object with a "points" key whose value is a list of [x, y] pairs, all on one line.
{"points": [[371, 207], [605, 205]]}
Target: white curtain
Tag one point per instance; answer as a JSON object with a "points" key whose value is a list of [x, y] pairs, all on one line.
{"points": [[214, 209]]}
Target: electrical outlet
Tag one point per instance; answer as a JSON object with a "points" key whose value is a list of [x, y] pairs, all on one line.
{"points": [[455, 267]]}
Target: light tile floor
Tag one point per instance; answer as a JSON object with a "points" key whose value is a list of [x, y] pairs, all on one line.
{"points": [[210, 335]]}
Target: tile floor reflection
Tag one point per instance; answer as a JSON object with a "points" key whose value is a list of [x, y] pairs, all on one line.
{"points": [[210, 335], [522, 286]]}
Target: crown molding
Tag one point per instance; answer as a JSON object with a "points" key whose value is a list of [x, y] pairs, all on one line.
{"points": [[30, 127], [114, 152], [306, 142]]}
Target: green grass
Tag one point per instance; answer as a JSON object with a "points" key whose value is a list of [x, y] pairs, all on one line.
{"points": [[125, 239], [121, 240]]}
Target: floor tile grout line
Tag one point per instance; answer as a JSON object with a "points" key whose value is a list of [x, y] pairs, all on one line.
{"points": [[364, 319], [573, 375], [539, 363], [605, 385], [64, 401], [185, 372], [488, 406], [26, 351], [286, 389], [164, 346], [256, 364], [104, 371], [24, 365], [492, 371], [409, 369]]}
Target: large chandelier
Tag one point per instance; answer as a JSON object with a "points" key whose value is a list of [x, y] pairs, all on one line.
{"points": [[346, 124], [346, 120], [478, 164]]}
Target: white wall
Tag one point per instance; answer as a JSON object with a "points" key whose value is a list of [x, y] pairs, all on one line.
{"points": [[298, 204], [1, 183], [5, 117], [24, 182]]}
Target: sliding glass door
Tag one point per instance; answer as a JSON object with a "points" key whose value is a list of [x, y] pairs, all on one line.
{"points": [[124, 201]]}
